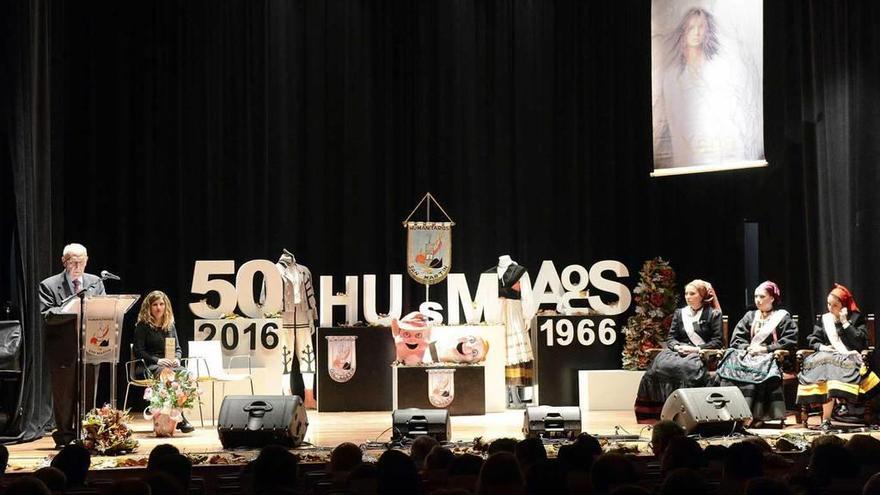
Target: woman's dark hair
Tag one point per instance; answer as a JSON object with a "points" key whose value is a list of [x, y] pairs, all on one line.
{"points": [[710, 45]]}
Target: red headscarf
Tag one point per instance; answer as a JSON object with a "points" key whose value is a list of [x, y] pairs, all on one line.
{"points": [[845, 297]]}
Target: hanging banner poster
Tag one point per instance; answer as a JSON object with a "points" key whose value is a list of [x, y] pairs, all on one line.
{"points": [[428, 244], [706, 80], [428, 251]]}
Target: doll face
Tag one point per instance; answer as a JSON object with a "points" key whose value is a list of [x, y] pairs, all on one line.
{"points": [[411, 345], [470, 349]]}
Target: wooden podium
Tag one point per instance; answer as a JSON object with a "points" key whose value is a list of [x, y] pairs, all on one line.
{"points": [[100, 337]]}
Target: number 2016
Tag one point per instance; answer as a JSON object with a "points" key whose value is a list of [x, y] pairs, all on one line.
{"points": [[229, 334], [563, 332]]}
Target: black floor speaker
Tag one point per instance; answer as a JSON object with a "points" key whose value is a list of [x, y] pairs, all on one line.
{"points": [[260, 420], [552, 422], [707, 411], [413, 422]]}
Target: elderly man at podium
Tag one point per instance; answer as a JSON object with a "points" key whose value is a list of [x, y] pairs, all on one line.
{"points": [[61, 337]]}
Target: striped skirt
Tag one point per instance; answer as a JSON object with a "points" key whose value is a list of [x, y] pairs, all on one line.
{"points": [[518, 362], [832, 375]]}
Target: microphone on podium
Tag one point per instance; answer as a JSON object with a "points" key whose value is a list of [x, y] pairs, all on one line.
{"points": [[108, 276]]}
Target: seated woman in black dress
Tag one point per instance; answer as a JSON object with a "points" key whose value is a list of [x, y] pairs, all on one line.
{"points": [[694, 327], [836, 370], [155, 324], [749, 363]]}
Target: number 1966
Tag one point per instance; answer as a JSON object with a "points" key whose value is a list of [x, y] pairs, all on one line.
{"points": [[563, 332]]}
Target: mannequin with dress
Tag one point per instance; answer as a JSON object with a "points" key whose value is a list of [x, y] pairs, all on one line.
{"points": [[298, 315], [517, 310]]}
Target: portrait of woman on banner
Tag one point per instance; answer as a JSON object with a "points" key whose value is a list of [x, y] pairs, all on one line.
{"points": [[706, 85]]}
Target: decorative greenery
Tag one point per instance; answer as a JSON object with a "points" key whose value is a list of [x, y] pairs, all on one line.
{"points": [[308, 358], [107, 432], [172, 391], [655, 299]]}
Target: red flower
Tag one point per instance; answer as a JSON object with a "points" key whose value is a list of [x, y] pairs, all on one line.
{"points": [[656, 299]]}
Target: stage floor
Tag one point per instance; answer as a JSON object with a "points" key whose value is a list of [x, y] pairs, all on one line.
{"points": [[326, 430]]}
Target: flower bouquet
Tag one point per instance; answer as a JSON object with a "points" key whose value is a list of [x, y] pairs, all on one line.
{"points": [[173, 391], [107, 433]]}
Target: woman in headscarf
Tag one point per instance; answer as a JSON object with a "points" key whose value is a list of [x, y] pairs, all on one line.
{"points": [[695, 327], [836, 370], [750, 364]]}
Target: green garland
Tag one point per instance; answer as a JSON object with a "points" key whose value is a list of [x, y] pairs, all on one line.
{"points": [[655, 299]]}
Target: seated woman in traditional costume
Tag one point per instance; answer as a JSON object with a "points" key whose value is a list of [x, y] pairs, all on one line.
{"points": [[836, 370], [750, 363], [694, 327]]}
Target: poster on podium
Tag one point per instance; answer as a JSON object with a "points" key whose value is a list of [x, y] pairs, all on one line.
{"points": [[103, 325]]}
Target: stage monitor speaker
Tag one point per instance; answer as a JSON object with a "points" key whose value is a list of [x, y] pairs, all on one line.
{"points": [[414, 422], [707, 411], [260, 420], [11, 380], [552, 422]]}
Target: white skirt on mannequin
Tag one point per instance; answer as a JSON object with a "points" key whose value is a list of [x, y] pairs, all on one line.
{"points": [[519, 346]]}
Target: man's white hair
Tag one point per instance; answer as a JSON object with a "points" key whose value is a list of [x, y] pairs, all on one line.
{"points": [[74, 249]]}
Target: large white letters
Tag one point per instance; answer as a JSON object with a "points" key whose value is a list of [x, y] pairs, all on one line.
{"points": [[486, 301], [550, 288], [603, 284], [349, 299], [395, 306], [547, 276]]}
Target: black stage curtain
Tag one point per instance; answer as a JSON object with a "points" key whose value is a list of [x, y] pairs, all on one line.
{"points": [[27, 217], [228, 130]]}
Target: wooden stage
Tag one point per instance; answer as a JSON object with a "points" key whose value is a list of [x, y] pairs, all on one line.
{"points": [[326, 430]]}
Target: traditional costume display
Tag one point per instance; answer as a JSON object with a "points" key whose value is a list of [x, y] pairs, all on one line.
{"points": [[758, 375], [839, 373], [671, 370], [517, 310], [298, 314]]}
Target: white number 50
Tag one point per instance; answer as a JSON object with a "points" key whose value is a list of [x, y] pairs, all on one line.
{"points": [[241, 294]]}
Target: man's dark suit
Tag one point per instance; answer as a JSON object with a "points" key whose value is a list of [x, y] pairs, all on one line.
{"points": [[60, 332]]}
